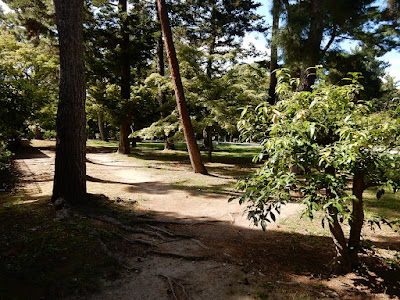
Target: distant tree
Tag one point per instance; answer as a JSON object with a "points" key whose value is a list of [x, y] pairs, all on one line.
{"points": [[70, 168], [341, 148], [119, 41], [313, 27]]}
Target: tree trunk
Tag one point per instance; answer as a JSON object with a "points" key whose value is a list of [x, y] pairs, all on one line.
{"points": [[312, 47], [209, 142], [357, 217], [194, 152], [123, 146], [125, 77], [274, 51], [102, 129], [343, 259], [168, 145], [70, 168]]}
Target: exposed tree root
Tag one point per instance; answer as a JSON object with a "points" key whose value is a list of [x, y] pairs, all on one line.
{"points": [[171, 234], [135, 241], [119, 259], [127, 228], [177, 255], [171, 283]]}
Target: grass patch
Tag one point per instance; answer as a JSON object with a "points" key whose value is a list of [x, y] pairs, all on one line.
{"points": [[388, 206]]}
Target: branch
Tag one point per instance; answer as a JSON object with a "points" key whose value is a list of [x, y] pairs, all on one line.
{"points": [[330, 41]]}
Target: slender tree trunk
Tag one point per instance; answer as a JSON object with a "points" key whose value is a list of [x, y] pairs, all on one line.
{"points": [[357, 217], [70, 168], [210, 143], [125, 78], [194, 152], [102, 129], [343, 259], [274, 51], [124, 131]]}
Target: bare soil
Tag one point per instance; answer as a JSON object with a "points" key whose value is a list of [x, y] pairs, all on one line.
{"points": [[202, 247]]}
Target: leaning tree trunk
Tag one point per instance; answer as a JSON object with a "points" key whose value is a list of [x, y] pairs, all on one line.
{"points": [[70, 168], [124, 147], [168, 144], [274, 51], [193, 149]]}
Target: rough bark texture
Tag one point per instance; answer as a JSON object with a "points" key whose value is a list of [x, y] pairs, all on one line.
{"points": [[123, 146], [70, 168], [274, 51], [193, 149], [125, 78]]}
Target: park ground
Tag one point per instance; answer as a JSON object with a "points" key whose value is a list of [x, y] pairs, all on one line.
{"points": [[155, 230]]}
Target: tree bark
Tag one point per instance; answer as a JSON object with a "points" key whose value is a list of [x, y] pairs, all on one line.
{"points": [[357, 217], [193, 149], [274, 51], [125, 77], [70, 168], [102, 129], [313, 48], [168, 145], [123, 146], [343, 263], [209, 142]]}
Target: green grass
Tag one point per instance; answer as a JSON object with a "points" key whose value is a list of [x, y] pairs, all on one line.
{"points": [[388, 206], [223, 152]]}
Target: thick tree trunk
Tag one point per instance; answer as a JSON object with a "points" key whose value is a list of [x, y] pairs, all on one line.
{"points": [[274, 51], [357, 217], [313, 47], [194, 152], [125, 78], [102, 129], [123, 146], [70, 168]]}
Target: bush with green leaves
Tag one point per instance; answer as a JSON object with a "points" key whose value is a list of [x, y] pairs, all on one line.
{"points": [[326, 146]]}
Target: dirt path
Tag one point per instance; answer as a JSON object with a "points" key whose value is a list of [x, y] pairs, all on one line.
{"points": [[219, 254]]}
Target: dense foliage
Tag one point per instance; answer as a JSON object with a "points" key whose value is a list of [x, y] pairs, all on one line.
{"points": [[325, 148]]}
